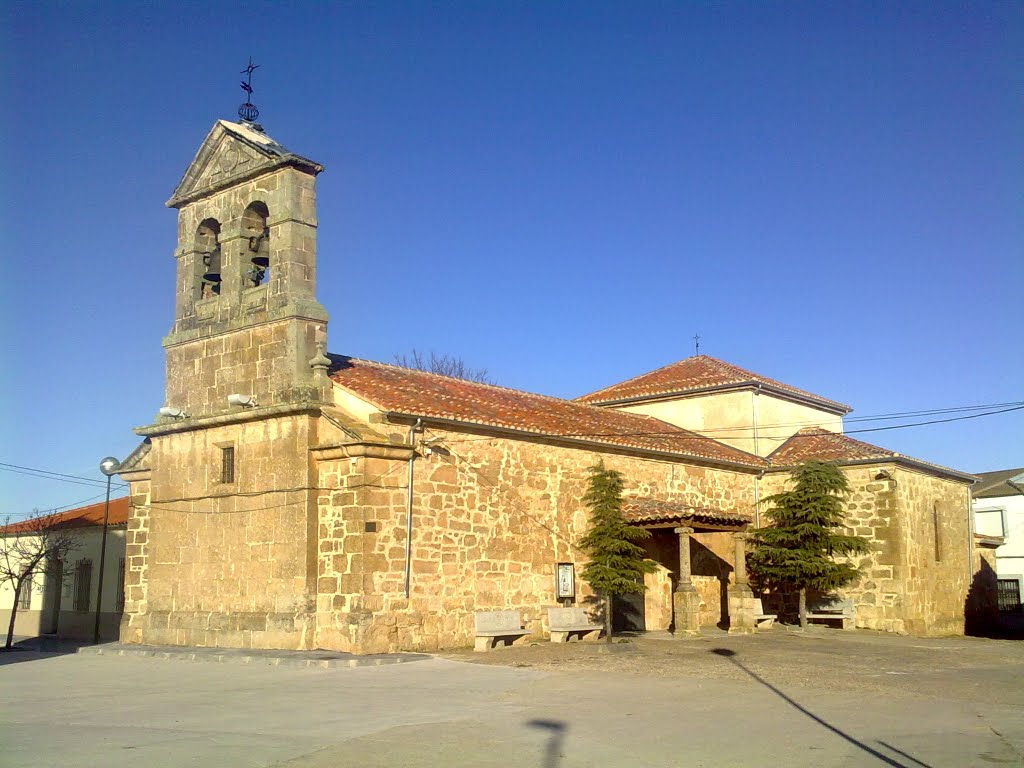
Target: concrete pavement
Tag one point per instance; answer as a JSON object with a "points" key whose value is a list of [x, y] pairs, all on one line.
{"points": [[111, 711]]}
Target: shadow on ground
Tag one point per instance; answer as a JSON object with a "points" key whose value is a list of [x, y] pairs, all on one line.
{"points": [[725, 653], [38, 648]]}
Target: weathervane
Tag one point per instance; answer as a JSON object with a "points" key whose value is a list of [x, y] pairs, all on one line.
{"points": [[248, 111], [696, 345]]}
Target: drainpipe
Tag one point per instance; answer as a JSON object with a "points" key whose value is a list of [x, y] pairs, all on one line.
{"points": [[970, 536], [757, 498], [757, 452], [408, 509], [753, 398]]}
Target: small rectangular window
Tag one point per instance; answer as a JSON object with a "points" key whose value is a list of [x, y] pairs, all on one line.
{"points": [[938, 535], [83, 584], [25, 598], [120, 587], [227, 464]]}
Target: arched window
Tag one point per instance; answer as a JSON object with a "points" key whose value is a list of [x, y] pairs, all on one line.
{"points": [[208, 258], [257, 234]]}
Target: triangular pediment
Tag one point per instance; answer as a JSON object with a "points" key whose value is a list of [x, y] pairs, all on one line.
{"points": [[231, 153]]}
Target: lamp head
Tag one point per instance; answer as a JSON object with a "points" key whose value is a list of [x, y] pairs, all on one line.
{"points": [[109, 466]]}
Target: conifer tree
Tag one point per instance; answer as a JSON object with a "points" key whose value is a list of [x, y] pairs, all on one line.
{"points": [[617, 563], [797, 549]]}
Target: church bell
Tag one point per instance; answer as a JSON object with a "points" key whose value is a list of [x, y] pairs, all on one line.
{"points": [[212, 262]]}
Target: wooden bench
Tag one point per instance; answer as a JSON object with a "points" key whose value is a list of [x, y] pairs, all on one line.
{"points": [[492, 626], [761, 618], [565, 622], [833, 609]]}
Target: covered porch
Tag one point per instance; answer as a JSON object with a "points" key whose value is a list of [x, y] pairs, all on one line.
{"points": [[701, 578]]}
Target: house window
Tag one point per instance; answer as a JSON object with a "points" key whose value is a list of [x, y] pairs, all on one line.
{"points": [[990, 522], [227, 464], [25, 598], [935, 528], [83, 584], [120, 587]]}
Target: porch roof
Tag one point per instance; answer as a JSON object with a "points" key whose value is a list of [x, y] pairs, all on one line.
{"points": [[655, 512]]}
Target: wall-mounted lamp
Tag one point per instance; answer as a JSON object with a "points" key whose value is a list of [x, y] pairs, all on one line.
{"points": [[173, 413], [246, 401]]}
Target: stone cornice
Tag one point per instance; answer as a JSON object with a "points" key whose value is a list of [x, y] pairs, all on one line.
{"points": [[364, 450], [135, 475], [310, 311], [249, 414]]}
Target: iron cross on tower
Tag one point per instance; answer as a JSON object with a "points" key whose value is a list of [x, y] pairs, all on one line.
{"points": [[248, 111], [696, 345]]}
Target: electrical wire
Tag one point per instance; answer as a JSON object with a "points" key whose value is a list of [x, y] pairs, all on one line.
{"points": [[704, 435], [46, 474]]}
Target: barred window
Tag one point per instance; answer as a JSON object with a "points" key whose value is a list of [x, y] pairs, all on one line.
{"points": [[83, 584], [120, 587], [25, 598], [227, 464]]}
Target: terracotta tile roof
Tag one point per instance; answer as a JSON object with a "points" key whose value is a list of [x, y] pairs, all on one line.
{"points": [[74, 518], [696, 374], [416, 393], [645, 510], [818, 443], [823, 445]]}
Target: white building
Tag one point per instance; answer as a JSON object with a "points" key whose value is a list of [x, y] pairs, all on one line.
{"points": [[61, 600], [998, 503]]}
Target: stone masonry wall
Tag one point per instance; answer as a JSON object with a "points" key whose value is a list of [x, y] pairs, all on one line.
{"points": [[492, 517], [902, 588], [232, 565], [136, 582], [290, 197], [936, 519], [268, 361]]}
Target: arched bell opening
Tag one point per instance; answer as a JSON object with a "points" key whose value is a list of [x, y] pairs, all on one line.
{"points": [[208, 262], [256, 236]]}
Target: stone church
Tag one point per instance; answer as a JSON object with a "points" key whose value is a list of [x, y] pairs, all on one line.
{"points": [[290, 498]]}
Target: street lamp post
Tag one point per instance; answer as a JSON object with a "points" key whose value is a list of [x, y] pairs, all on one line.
{"points": [[108, 467]]}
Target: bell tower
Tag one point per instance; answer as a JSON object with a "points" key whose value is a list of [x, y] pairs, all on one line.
{"points": [[246, 319]]}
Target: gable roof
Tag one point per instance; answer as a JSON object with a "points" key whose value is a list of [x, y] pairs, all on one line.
{"points": [[647, 511], [823, 445], [82, 517], [699, 374], [413, 393], [230, 153], [998, 483]]}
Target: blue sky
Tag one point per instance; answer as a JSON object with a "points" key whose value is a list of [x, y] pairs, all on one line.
{"points": [[562, 193]]}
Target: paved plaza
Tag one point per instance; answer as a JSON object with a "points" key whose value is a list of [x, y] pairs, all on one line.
{"points": [[822, 698]]}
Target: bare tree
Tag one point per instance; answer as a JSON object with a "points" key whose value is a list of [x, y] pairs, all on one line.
{"points": [[444, 364], [25, 547]]}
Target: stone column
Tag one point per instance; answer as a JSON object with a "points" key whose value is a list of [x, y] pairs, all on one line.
{"points": [[742, 618], [685, 600]]}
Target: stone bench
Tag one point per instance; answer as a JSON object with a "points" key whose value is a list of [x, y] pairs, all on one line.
{"points": [[763, 619], [833, 609], [492, 626], [565, 622]]}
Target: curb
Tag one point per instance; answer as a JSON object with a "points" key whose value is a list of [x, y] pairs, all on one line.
{"points": [[309, 659]]}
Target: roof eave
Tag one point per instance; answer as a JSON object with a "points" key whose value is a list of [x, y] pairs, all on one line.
{"points": [[924, 466], [573, 442], [839, 409]]}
